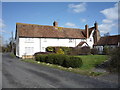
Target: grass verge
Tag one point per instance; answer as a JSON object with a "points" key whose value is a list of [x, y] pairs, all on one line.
{"points": [[12, 55], [89, 62]]}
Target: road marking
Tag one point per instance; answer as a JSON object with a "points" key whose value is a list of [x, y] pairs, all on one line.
{"points": [[51, 86]]}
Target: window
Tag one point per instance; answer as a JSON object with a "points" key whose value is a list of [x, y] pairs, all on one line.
{"points": [[90, 39], [82, 39], [71, 40], [29, 40], [29, 50]]}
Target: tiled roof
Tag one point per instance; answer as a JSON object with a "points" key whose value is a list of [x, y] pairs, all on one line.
{"points": [[33, 30], [108, 40], [81, 43]]}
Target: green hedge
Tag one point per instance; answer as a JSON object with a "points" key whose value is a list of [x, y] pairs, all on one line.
{"points": [[40, 58], [73, 62], [59, 59]]}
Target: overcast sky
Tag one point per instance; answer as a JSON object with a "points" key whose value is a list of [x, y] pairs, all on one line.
{"points": [[67, 14]]}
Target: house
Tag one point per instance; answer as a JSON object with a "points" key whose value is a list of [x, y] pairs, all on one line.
{"points": [[109, 41], [32, 38]]}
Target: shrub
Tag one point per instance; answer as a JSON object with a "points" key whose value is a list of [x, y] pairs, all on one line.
{"points": [[75, 51], [85, 50], [40, 53], [50, 49], [40, 58], [94, 51], [106, 50], [74, 62], [114, 62], [59, 59], [49, 58], [66, 50], [37, 57], [59, 51], [80, 51]]}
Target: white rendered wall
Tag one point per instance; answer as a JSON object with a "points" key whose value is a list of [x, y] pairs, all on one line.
{"points": [[45, 42], [39, 44], [90, 40], [23, 44]]}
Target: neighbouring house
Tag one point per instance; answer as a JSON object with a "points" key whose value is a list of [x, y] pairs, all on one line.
{"points": [[32, 38], [108, 41]]}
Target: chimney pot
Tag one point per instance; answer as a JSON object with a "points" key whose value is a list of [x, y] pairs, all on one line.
{"points": [[55, 24]]}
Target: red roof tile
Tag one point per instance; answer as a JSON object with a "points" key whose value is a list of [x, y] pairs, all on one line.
{"points": [[33, 30], [108, 40]]}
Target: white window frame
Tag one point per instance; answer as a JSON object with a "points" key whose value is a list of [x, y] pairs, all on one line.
{"points": [[29, 50], [71, 40], [29, 40]]}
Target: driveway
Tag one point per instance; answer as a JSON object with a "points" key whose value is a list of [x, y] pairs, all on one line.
{"points": [[19, 74]]}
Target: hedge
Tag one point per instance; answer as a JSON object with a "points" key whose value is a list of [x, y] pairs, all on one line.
{"points": [[40, 58], [73, 62], [94, 51], [59, 59]]}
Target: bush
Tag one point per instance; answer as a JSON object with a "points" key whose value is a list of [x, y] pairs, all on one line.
{"points": [[75, 51], [114, 62], [40, 58], [85, 50], [40, 53], [59, 51], [49, 58], [59, 59], [94, 51], [66, 50], [50, 49], [106, 50], [74, 62], [37, 57]]}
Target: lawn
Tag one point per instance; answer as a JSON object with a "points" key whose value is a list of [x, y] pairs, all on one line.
{"points": [[89, 62]]}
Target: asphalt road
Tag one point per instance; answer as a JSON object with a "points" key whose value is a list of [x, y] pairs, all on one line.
{"points": [[19, 74]]}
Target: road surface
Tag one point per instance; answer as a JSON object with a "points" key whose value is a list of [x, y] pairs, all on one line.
{"points": [[19, 74]]}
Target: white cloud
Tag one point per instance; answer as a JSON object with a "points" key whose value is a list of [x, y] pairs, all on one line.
{"points": [[77, 8], [70, 24], [104, 28], [111, 13], [107, 21], [1, 23], [110, 22], [83, 20]]}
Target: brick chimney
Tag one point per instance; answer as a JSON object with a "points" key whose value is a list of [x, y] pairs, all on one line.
{"points": [[96, 25], [86, 31], [55, 24], [96, 33]]}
